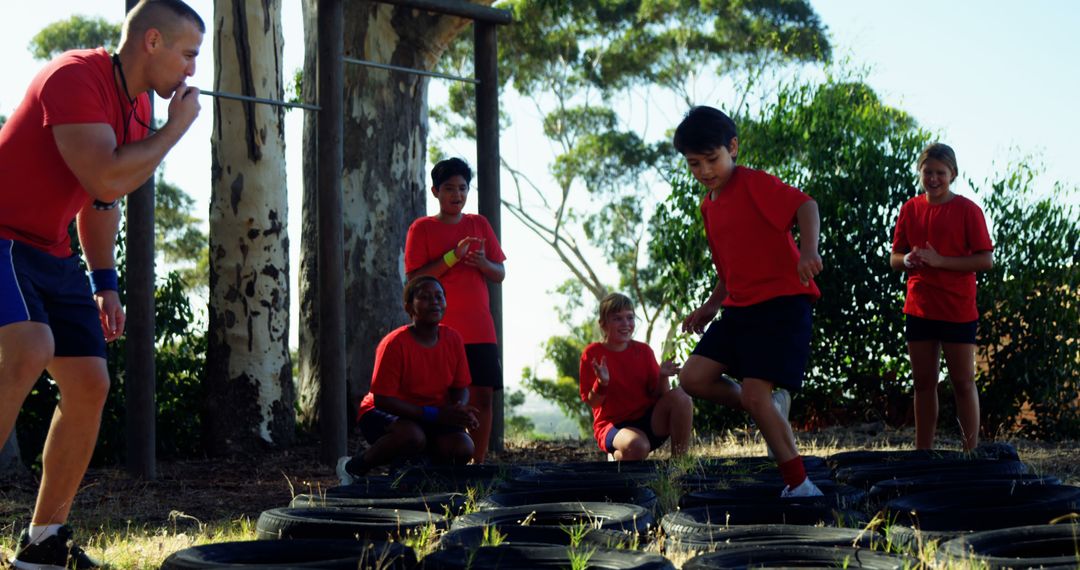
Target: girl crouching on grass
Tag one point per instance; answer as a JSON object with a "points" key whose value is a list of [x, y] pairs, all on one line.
{"points": [[419, 390], [634, 407]]}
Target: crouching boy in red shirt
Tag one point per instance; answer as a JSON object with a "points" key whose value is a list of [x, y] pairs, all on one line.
{"points": [[419, 390], [764, 284]]}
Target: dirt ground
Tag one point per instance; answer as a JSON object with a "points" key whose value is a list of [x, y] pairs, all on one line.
{"points": [[190, 492]]}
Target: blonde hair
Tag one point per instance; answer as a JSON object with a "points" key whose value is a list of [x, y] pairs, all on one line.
{"points": [[614, 303], [942, 153]]}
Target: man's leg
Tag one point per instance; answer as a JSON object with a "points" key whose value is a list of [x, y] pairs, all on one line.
{"points": [[25, 350], [757, 400], [704, 378], [925, 359], [481, 397], [84, 385], [960, 360]]}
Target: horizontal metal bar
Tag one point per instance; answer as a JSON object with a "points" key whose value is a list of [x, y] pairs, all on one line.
{"points": [[367, 63], [275, 102], [458, 8]]}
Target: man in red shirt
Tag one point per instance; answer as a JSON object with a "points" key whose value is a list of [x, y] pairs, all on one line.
{"points": [[765, 283], [75, 145]]}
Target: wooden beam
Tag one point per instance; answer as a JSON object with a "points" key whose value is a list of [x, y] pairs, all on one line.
{"points": [[330, 258], [458, 8]]}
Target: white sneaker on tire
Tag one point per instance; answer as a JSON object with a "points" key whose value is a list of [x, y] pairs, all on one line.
{"points": [[805, 489], [343, 471]]}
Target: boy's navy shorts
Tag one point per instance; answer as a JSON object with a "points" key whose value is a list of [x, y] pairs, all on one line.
{"points": [[769, 341], [375, 423], [484, 366], [919, 329], [644, 423], [39, 287]]}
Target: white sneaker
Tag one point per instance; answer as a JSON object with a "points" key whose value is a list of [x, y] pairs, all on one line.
{"points": [[342, 472], [781, 400], [805, 489]]}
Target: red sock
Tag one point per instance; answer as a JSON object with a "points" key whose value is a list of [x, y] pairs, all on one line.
{"points": [[793, 472]]}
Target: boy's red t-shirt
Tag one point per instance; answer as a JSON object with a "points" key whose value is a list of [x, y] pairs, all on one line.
{"points": [[632, 390], [418, 374], [467, 309], [748, 226], [40, 194], [956, 228]]}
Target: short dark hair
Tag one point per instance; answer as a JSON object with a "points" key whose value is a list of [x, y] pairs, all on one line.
{"points": [[704, 129], [940, 152], [415, 283], [152, 14], [446, 169]]}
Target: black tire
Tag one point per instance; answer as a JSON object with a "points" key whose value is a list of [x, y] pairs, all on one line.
{"points": [[723, 465], [540, 557], [569, 479], [440, 503], [644, 466], [866, 476], [610, 516], [884, 491], [907, 539], [773, 534], [336, 522], [787, 556], [842, 496], [325, 554], [1040, 546], [996, 451], [640, 496], [977, 509], [709, 519], [455, 478], [476, 536]]}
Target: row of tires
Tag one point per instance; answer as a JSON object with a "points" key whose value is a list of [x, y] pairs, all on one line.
{"points": [[728, 504]]}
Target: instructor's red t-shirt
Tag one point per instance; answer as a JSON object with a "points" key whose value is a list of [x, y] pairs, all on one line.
{"points": [[634, 374], [748, 226], [418, 374], [956, 228], [467, 309], [39, 195]]}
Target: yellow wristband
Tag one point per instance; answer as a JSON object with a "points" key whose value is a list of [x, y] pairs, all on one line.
{"points": [[450, 258]]}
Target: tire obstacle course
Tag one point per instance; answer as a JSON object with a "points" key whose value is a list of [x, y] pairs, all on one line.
{"points": [[880, 510]]}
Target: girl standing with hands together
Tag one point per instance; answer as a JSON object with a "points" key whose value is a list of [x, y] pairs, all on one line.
{"points": [[941, 241]]}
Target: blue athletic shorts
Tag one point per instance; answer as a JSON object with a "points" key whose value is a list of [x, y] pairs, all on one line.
{"points": [[769, 341], [644, 423], [919, 329], [38, 287], [375, 423], [484, 366]]}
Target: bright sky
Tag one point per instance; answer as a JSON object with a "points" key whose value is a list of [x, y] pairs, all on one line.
{"points": [[998, 80]]}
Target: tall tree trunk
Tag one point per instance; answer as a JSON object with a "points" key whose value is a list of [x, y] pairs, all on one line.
{"points": [[250, 394], [384, 182]]}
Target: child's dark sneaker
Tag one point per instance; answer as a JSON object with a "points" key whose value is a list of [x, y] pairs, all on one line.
{"points": [[58, 552]]}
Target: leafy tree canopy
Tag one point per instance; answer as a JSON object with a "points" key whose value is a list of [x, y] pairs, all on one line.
{"points": [[74, 33]]}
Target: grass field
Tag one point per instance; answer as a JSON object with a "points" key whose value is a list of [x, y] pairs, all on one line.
{"points": [[136, 524]]}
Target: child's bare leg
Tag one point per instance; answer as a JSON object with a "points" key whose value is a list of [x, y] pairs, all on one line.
{"points": [[674, 416], [481, 397], [456, 448], [403, 438], [704, 378], [925, 359], [630, 445], [960, 360], [757, 399]]}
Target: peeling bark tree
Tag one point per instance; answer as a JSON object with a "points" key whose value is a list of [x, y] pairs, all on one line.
{"points": [[384, 182], [250, 393]]}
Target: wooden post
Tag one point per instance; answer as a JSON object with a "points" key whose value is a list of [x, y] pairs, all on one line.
{"points": [[489, 200], [331, 261], [140, 418]]}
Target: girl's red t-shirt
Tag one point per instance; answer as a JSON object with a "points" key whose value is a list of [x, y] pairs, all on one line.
{"points": [[420, 375], [632, 390]]}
